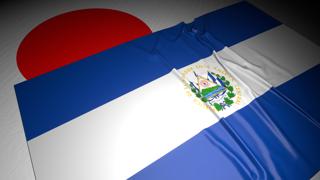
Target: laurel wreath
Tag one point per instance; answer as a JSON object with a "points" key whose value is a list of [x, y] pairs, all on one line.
{"points": [[227, 101]]}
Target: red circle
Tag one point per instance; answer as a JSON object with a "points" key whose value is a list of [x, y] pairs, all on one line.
{"points": [[72, 36]]}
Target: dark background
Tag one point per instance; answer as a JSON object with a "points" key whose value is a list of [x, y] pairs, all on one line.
{"points": [[19, 16], [301, 16]]}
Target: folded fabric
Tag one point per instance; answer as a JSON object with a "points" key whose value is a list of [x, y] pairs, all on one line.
{"points": [[194, 101]]}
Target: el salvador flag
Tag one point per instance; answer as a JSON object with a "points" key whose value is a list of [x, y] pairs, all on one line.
{"points": [[232, 95]]}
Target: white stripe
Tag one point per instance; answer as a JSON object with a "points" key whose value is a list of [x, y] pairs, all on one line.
{"points": [[278, 54], [19, 19], [316, 176], [120, 138]]}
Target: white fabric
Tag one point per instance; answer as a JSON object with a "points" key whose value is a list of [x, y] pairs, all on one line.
{"points": [[125, 135]]}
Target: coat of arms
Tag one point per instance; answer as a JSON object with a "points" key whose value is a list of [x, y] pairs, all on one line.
{"points": [[213, 89]]}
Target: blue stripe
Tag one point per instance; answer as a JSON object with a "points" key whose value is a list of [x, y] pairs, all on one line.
{"points": [[235, 23], [305, 94], [55, 98], [268, 139]]}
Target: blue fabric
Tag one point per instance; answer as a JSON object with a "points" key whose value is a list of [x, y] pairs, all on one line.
{"points": [[268, 139], [275, 137], [235, 23], [306, 96], [57, 97]]}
